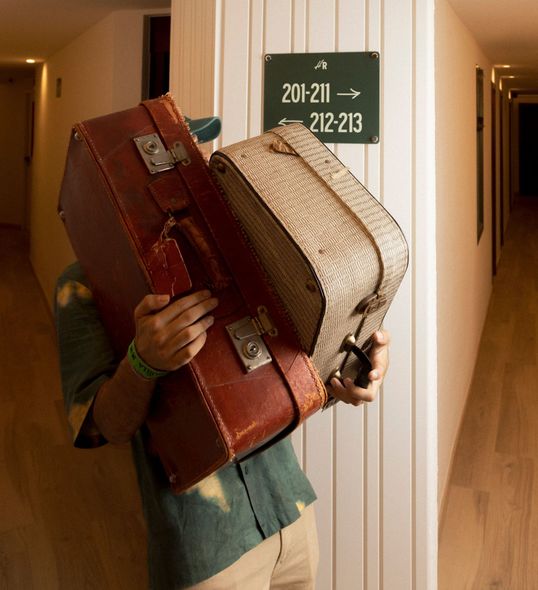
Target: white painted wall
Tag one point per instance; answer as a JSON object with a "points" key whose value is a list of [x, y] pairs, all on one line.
{"points": [[192, 41], [463, 266], [14, 120], [101, 72], [374, 468]]}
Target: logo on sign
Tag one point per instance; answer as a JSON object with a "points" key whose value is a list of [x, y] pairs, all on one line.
{"points": [[321, 65]]}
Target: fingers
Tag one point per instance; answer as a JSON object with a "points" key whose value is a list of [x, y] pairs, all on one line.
{"points": [[184, 304], [380, 343], [150, 304], [188, 335], [169, 337], [187, 353], [188, 315], [348, 392], [341, 393], [379, 355]]}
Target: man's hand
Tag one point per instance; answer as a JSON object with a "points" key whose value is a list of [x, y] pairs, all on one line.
{"points": [[170, 336], [349, 393]]}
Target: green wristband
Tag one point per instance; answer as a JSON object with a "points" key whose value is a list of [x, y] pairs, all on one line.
{"points": [[140, 367]]}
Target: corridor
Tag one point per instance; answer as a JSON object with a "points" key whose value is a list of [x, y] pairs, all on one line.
{"points": [[69, 518], [435, 138], [489, 529]]}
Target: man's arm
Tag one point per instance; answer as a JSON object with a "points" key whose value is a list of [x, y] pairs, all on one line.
{"points": [[170, 336], [167, 337], [349, 393]]}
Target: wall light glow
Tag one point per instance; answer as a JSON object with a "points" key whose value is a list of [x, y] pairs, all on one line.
{"points": [[30, 61]]}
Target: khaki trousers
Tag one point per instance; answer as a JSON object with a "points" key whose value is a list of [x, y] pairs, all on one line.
{"points": [[286, 561]]}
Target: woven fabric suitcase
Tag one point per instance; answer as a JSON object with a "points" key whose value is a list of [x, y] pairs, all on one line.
{"points": [[144, 215], [334, 254]]}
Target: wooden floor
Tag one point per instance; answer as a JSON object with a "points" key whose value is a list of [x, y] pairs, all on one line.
{"points": [[489, 534], [69, 519]]}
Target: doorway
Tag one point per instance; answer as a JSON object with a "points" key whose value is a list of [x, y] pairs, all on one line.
{"points": [[528, 149], [156, 74]]}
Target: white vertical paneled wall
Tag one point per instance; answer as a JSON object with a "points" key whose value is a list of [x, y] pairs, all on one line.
{"points": [[373, 468], [192, 45]]}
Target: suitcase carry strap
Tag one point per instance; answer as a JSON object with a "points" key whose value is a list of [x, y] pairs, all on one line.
{"points": [[322, 167], [174, 202], [343, 185], [305, 387]]}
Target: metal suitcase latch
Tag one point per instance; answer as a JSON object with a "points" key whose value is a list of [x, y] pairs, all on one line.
{"points": [[156, 157], [245, 335]]}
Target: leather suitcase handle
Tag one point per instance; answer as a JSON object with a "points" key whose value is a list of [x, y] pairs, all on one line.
{"points": [[365, 365], [205, 251], [361, 380], [173, 199]]}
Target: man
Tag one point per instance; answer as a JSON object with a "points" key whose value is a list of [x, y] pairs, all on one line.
{"points": [[250, 526]]}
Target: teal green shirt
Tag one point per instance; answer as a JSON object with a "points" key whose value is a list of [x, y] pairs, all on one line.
{"points": [[194, 535]]}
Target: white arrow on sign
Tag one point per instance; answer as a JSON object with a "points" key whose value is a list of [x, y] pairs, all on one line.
{"points": [[285, 121], [353, 93]]}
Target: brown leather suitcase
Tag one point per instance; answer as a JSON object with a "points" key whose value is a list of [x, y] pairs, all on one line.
{"points": [[144, 215]]}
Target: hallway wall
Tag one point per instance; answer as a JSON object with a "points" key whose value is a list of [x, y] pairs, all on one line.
{"points": [[14, 106], [463, 266], [101, 72], [373, 467]]}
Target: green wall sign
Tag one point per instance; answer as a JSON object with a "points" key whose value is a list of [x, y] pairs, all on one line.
{"points": [[335, 95]]}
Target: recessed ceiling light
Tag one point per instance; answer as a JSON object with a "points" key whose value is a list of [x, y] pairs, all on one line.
{"points": [[30, 61]]}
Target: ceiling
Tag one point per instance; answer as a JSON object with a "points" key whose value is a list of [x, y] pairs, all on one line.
{"points": [[39, 28], [505, 29]]}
